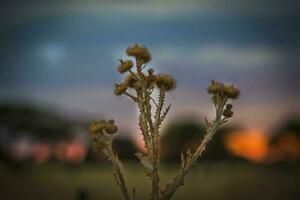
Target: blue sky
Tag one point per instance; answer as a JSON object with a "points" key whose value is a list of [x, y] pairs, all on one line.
{"points": [[64, 54]]}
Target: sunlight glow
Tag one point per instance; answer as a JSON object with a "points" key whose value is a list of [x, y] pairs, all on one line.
{"points": [[250, 144]]}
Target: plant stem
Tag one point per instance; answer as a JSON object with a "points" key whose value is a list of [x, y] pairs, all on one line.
{"points": [[210, 132], [118, 168]]}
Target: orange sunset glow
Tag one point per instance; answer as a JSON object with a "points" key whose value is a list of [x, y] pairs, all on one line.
{"points": [[250, 144]]}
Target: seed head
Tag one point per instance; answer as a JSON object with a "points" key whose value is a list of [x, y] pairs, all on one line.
{"points": [[125, 66], [120, 89], [165, 82], [231, 91], [111, 128], [145, 57], [215, 87], [151, 79], [229, 106], [111, 121], [130, 80], [150, 71], [139, 52], [97, 127], [138, 86], [227, 113]]}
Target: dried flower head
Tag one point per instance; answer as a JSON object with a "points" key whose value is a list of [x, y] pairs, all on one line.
{"points": [[221, 89], [139, 52], [130, 80], [111, 121], [151, 79], [227, 113], [165, 82], [125, 66], [145, 57], [229, 106], [120, 89], [138, 86], [97, 127], [231, 91], [215, 87], [102, 126], [150, 71], [110, 128]]}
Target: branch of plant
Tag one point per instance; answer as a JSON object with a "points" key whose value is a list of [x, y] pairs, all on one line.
{"points": [[139, 87], [189, 160]]}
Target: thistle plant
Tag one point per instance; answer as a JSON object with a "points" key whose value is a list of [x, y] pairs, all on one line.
{"points": [[140, 87]]}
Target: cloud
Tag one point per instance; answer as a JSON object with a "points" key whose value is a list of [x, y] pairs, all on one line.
{"points": [[225, 55], [240, 56], [17, 11]]}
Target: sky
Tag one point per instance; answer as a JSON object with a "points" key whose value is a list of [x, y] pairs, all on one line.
{"points": [[64, 54]]}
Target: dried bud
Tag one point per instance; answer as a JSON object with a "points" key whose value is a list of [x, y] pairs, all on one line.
{"points": [[229, 106], [139, 52], [130, 80], [102, 126], [165, 82], [151, 78], [125, 66], [145, 57], [231, 91], [138, 85], [227, 113], [111, 121], [150, 71], [111, 128], [120, 89], [215, 87], [97, 127]]}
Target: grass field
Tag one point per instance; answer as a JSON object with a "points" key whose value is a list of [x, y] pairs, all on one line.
{"points": [[207, 181]]}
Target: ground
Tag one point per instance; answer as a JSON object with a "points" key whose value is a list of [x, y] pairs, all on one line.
{"points": [[207, 181]]}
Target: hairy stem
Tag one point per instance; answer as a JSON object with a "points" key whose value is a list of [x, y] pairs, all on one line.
{"points": [[119, 174], [210, 132]]}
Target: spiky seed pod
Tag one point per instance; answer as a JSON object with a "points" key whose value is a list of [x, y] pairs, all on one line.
{"points": [[138, 86], [215, 87], [111, 121], [125, 66], [165, 82], [135, 50], [111, 128], [145, 56], [120, 89], [150, 71], [227, 113], [151, 79], [97, 127], [130, 80], [139, 52], [231, 91], [229, 106]]}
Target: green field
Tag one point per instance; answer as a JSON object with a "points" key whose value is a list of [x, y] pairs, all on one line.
{"points": [[207, 181]]}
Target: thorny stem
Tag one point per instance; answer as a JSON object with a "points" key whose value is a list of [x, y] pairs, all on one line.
{"points": [[144, 128], [155, 176], [158, 111], [210, 132], [155, 143], [118, 168]]}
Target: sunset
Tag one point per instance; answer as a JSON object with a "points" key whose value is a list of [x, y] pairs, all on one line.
{"points": [[251, 144], [128, 99]]}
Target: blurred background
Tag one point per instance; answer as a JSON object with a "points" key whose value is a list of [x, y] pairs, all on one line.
{"points": [[58, 63]]}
